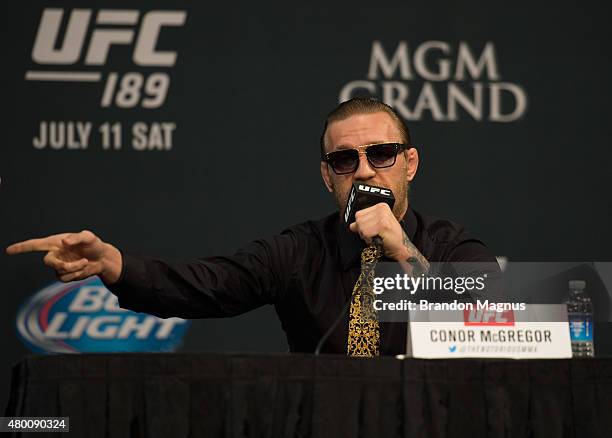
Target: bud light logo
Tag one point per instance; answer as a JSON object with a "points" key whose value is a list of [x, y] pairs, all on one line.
{"points": [[84, 316]]}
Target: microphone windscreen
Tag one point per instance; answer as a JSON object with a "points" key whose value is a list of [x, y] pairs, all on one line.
{"points": [[364, 196]]}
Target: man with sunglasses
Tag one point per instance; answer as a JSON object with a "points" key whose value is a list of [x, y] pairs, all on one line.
{"points": [[309, 270], [365, 141]]}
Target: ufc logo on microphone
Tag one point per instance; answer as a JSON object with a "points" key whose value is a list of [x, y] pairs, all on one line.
{"points": [[371, 189], [47, 50], [349, 206]]}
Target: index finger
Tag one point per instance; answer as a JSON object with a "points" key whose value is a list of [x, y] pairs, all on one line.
{"points": [[42, 244]]}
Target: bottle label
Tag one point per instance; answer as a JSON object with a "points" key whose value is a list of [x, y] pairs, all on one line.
{"points": [[580, 330]]}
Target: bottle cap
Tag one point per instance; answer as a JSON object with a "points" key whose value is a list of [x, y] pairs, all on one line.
{"points": [[577, 284]]}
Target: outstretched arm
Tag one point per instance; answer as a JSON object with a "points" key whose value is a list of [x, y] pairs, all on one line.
{"points": [[202, 288]]}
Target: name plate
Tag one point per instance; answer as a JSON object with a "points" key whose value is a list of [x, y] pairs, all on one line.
{"points": [[540, 331]]}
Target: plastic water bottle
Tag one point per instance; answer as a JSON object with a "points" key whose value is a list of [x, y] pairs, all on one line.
{"points": [[580, 318]]}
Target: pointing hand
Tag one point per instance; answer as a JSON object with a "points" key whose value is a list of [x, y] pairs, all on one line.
{"points": [[75, 256]]}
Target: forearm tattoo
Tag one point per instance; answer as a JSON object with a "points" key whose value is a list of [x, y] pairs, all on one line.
{"points": [[417, 261]]}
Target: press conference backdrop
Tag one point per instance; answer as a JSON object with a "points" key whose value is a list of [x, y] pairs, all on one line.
{"points": [[184, 129]]}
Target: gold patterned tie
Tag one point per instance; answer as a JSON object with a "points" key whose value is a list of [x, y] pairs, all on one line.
{"points": [[364, 329]]}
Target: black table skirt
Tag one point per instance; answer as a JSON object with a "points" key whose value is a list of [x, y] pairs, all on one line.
{"points": [[202, 395]]}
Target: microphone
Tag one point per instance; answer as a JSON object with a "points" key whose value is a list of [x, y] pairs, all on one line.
{"points": [[364, 196], [361, 196]]}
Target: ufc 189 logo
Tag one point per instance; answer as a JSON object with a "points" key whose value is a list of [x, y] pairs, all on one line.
{"points": [[90, 40]]}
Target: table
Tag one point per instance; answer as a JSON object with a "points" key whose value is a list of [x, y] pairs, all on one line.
{"points": [[284, 395]]}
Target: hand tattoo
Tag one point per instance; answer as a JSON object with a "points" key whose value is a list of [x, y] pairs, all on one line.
{"points": [[416, 260]]}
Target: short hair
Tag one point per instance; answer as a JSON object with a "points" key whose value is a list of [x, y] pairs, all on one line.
{"points": [[364, 105]]}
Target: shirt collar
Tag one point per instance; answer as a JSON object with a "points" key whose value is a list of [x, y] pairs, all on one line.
{"points": [[351, 245]]}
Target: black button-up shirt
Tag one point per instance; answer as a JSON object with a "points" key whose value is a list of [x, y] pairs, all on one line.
{"points": [[307, 272]]}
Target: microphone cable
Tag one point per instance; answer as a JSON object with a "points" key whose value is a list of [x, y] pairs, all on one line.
{"points": [[332, 328]]}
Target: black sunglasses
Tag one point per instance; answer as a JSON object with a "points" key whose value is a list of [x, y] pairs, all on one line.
{"points": [[379, 156]]}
